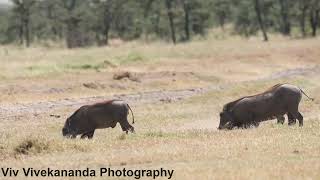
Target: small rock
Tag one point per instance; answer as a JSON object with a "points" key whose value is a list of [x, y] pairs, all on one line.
{"points": [[166, 100], [55, 116], [92, 85], [118, 86], [121, 75], [296, 152], [126, 74], [123, 163], [108, 63]]}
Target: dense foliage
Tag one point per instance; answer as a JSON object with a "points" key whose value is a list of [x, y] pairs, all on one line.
{"points": [[93, 22]]}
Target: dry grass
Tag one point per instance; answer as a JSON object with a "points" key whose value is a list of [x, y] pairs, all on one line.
{"points": [[43, 71], [179, 135]]}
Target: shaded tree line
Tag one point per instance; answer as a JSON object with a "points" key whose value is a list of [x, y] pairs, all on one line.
{"points": [[93, 22]]}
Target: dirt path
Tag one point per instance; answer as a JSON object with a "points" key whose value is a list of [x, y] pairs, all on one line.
{"points": [[139, 98], [11, 110]]}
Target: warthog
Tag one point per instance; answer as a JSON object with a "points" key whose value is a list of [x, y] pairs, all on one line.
{"points": [[106, 114], [277, 101]]}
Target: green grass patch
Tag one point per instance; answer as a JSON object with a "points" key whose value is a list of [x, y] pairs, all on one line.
{"points": [[132, 57]]}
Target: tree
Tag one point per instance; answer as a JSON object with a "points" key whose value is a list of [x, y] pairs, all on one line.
{"points": [[103, 24], [127, 19], [222, 11], [5, 37], [303, 7], [284, 12], [77, 34], [52, 15], [186, 9], [109, 14], [260, 20], [245, 22], [314, 16], [22, 10], [200, 16], [146, 6], [171, 17]]}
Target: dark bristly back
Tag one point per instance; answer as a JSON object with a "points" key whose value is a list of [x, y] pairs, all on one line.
{"points": [[228, 106]]}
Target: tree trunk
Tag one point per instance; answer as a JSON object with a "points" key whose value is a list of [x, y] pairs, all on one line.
{"points": [[69, 35], [303, 19], [157, 23], [27, 28], [186, 8], [314, 21], [146, 10], [21, 32], [260, 20], [72, 22], [107, 22], [23, 10], [303, 6], [170, 16], [52, 17], [284, 10], [222, 21], [106, 33]]}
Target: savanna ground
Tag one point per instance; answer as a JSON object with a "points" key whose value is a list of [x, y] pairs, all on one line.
{"points": [[176, 94]]}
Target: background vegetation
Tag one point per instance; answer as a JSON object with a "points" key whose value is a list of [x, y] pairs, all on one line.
{"points": [[93, 22]]}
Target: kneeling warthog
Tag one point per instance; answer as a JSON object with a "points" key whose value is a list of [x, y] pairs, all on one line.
{"points": [[106, 114], [277, 101]]}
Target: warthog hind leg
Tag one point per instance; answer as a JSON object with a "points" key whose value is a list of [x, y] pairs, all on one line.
{"points": [[300, 119], [291, 119], [125, 126]]}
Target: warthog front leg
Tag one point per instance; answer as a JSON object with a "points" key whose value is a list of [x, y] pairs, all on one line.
{"points": [[250, 124], [89, 135], [280, 119], [256, 124], [73, 136]]}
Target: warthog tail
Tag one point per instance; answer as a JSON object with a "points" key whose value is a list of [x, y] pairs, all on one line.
{"points": [[131, 113], [312, 99]]}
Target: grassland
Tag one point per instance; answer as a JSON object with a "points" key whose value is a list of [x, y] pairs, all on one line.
{"points": [[178, 134]]}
